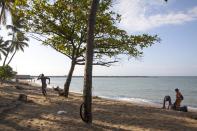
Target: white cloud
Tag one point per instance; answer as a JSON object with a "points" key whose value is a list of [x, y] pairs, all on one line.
{"points": [[140, 15]]}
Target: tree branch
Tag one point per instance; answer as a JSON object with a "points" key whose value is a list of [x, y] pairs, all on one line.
{"points": [[61, 52], [107, 64]]}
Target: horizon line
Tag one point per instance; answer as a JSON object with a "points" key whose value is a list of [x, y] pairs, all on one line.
{"points": [[122, 76]]}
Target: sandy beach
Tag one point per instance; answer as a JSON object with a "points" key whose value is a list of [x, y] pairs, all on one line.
{"points": [[40, 113]]}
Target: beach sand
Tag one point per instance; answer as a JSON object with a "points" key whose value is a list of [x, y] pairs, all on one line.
{"points": [[40, 113]]}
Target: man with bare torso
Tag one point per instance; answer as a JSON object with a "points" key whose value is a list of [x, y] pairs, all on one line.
{"points": [[44, 84]]}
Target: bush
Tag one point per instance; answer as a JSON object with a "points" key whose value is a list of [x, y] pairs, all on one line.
{"points": [[6, 72]]}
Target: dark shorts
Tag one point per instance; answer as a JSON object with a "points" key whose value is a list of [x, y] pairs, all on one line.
{"points": [[44, 86]]}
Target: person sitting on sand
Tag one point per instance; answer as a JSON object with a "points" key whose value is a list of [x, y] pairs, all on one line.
{"points": [[179, 98], [44, 85], [167, 99], [60, 91], [56, 89]]}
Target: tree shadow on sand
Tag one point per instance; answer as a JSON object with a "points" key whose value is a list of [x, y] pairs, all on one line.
{"points": [[42, 114]]}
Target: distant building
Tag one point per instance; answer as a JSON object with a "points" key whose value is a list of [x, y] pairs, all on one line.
{"points": [[23, 77]]}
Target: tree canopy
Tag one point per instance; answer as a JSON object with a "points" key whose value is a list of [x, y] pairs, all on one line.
{"points": [[64, 23]]}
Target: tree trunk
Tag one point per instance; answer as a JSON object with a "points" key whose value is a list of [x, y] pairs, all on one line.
{"points": [[11, 57], [69, 77], [5, 58], [2, 12], [87, 89], [8, 50]]}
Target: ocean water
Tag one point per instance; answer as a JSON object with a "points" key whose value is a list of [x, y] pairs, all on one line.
{"points": [[137, 89]]}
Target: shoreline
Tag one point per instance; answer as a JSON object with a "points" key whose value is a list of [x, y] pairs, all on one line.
{"points": [[142, 90], [41, 113], [137, 101]]}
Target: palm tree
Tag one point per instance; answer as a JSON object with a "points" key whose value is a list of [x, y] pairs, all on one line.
{"points": [[9, 42], [6, 5], [18, 43], [3, 47], [18, 37]]}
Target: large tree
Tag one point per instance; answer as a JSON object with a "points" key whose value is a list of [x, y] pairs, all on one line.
{"points": [[87, 92], [63, 23]]}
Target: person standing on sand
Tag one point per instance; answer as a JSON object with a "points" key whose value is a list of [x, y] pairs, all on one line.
{"points": [[179, 98], [44, 84]]}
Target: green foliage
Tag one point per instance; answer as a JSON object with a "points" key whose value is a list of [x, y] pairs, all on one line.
{"points": [[64, 23], [3, 47], [18, 43], [6, 72], [12, 6]]}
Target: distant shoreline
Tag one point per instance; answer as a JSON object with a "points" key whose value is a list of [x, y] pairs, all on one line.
{"points": [[122, 76]]}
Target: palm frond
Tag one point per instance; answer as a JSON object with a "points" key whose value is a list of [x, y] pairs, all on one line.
{"points": [[3, 48], [7, 42], [26, 38], [13, 28], [9, 27], [10, 34]]}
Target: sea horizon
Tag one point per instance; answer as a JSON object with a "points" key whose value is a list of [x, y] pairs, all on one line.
{"points": [[120, 76]]}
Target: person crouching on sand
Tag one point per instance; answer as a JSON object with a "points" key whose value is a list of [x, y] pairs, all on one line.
{"points": [[44, 85], [179, 98], [167, 99]]}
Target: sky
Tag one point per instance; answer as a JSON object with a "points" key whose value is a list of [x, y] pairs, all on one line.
{"points": [[175, 22]]}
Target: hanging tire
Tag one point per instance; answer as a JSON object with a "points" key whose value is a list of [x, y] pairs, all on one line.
{"points": [[82, 112]]}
